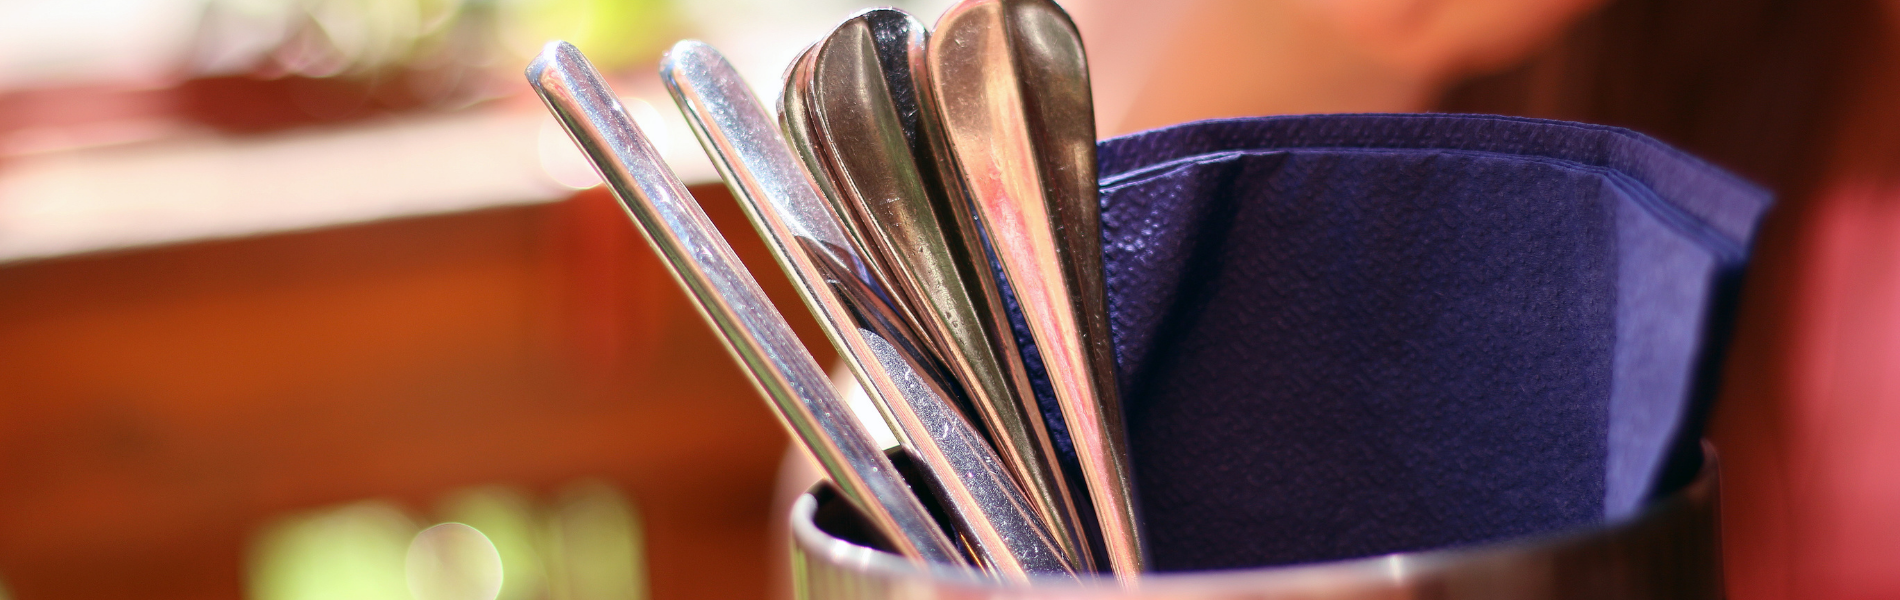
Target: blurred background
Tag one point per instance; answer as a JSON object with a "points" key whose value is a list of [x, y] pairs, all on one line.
{"points": [[284, 283]]}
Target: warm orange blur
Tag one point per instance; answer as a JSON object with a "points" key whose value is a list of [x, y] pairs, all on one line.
{"points": [[162, 404], [159, 402]]}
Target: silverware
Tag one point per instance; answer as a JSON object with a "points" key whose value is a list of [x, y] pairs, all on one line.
{"points": [[785, 204], [853, 103], [795, 122], [731, 300], [1011, 81]]}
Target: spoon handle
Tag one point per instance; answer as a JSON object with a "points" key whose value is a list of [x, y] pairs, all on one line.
{"points": [[1012, 88], [732, 301], [808, 239], [876, 143]]}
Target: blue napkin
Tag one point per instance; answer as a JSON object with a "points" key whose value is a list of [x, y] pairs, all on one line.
{"points": [[1348, 335]]}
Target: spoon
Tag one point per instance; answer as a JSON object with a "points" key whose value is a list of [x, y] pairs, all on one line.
{"points": [[1001, 528], [1011, 82], [873, 139], [795, 121], [733, 302]]}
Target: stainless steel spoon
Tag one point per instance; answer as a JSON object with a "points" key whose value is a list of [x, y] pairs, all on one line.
{"points": [[795, 121], [1011, 82], [872, 137], [785, 204], [732, 301]]}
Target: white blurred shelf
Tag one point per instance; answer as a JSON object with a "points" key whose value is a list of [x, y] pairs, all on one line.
{"points": [[208, 187], [199, 186]]}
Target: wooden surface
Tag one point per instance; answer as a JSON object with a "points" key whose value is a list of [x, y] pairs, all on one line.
{"points": [[156, 407]]}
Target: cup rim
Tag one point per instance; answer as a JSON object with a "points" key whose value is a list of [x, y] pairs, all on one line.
{"points": [[1399, 569]]}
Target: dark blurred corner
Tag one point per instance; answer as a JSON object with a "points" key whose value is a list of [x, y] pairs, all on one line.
{"points": [[1804, 98]]}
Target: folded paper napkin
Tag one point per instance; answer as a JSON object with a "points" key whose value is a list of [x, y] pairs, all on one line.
{"points": [[1348, 335]]}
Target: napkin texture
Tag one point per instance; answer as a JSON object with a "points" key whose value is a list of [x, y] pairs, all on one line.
{"points": [[1348, 335]]}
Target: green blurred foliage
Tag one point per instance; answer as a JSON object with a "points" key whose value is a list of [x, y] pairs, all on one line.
{"points": [[321, 38], [583, 544], [592, 538], [508, 518], [613, 33], [353, 551]]}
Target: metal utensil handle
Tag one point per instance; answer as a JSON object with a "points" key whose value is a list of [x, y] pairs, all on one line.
{"points": [[732, 301], [807, 237], [872, 126], [1012, 170]]}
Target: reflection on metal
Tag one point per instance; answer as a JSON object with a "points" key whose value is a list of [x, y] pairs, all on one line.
{"points": [[795, 119], [1012, 85], [1670, 550], [810, 242], [731, 299], [991, 512], [853, 105]]}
